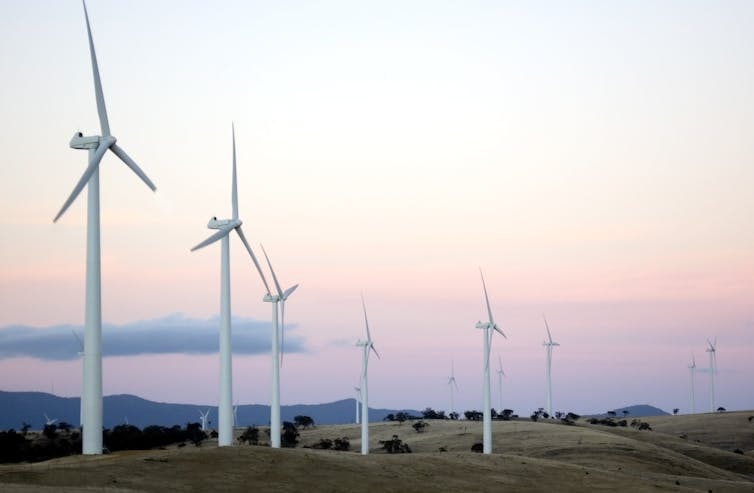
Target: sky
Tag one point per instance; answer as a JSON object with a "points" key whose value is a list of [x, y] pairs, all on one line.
{"points": [[594, 158]]}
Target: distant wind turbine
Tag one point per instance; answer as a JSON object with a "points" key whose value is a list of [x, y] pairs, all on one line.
{"points": [[204, 418], [452, 385], [235, 416], [225, 227], [367, 347], [692, 372], [97, 145], [49, 421], [712, 350], [487, 328], [500, 375], [549, 345], [277, 301]]}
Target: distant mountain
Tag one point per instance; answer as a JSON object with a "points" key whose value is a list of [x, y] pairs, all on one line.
{"points": [[635, 411], [30, 407]]}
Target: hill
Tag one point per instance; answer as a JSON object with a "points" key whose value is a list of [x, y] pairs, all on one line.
{"points": [[30, 407], [529, 456], [635, 411]]}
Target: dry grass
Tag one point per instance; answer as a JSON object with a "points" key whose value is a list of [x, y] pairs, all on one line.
{"points": [[528, 457]]}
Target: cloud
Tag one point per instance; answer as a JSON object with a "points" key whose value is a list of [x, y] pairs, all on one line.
{"points": [[173, 334]]}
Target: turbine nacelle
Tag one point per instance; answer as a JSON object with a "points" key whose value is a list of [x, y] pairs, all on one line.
{"points": [[215, 223], [79, 141]]}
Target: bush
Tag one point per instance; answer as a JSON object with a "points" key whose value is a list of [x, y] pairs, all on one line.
{"points": [[395, 446], [250, 435], [419, 426], [341, 444], [289, 437], [477, 447]]}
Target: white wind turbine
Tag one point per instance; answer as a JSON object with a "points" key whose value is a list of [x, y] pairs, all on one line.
{"points": [[225, 227], [235, 416], [358, 397], [692, 373], [500, 375], [487, 328], [204, 418], [712, 350], [49, 421], [452, 385], [97, 145], [277, 334], [549, 345], [367, 347]]}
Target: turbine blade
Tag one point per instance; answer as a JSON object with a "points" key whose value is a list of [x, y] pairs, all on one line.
{"points": [[101, 110], [487, 299], [499, 331], [366, 321], [547, 327], [371, 346], [93, 163], [78, 339], [274, 277], [253, 258], [234, 197], [289, 291], [132, 164], [220, 234], [500, 363]]}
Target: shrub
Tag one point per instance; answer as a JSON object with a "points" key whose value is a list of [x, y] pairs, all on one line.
{"points": [[477, 447], [250, 435], [395, 446], [419, 426], [341, 444]]}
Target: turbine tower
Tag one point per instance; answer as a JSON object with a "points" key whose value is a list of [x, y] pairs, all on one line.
{"points": [[358, 396], [692, 372], [203, 417], [224, 227], [487, 328], [500, 375], [549, 345], [97, 145], [452, 385], [277, 300], [81, 357], [367, 347], [712, 350]]}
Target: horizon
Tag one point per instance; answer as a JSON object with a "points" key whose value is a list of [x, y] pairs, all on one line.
{"points": [[594, 160]]}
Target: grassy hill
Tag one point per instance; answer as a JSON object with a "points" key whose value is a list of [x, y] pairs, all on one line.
{"points": [[680, 453]]}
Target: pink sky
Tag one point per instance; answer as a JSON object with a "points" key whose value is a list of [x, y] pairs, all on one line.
{"points": [[595, 160]]}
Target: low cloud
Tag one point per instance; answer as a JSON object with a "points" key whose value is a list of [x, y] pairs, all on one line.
{"points": [[173, 334]]}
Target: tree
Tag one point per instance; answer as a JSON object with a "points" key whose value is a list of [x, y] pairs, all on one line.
{"points": [[25, 427], [721, 409], [251, 435], [611, 414], [625, 412], [675, 411], [401, 417], [303, 421], [430, 413], [289, 437], [389, 417], [50, 431], [395, 446], [505, 415], [454, 416], [473, 415], [419, 426]]}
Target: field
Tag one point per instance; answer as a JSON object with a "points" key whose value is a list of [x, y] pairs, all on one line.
{"points": [[680, 453]]}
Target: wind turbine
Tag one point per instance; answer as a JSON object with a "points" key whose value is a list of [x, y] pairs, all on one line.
{"points": [[453, 385], [487, 328], [549, 345], [224, 227], [692, 372], [235, 416], [81, 357], [97, 145], [367, 347], [50, 422], [500, 375], [712, 350], [358, 396], [203, 417], [277, 299]]}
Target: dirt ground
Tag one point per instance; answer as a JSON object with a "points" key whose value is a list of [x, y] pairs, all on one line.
{"points": [[681, 453]]}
